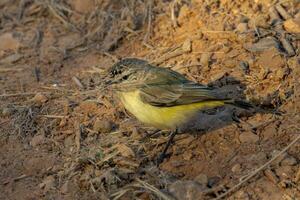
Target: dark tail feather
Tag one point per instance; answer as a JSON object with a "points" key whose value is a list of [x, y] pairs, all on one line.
{"points": [[239, 103], [247, 106]]}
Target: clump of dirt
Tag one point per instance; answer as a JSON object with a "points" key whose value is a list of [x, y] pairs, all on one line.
{"points": [[64, 136]]}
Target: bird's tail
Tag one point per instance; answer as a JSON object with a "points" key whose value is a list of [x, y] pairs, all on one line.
{"points": [[239, 103]]}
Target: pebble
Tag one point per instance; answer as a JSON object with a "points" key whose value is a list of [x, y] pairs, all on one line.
{"points": [[125, 150], [202, 179], [292, 25], [248, 137], [236, 168], [8, 42], [284, 172], [67, 187], [212, 181], [187, 155], [7, 112], [245, 67], [279, 159], [103, 126], [39, 99], [11, 58], [205, 59], [37, 140], [242, 27], [289, 161], [86, 6], [69, 141], [242, 195], [269, 132], [48, 183], [186, 190]]}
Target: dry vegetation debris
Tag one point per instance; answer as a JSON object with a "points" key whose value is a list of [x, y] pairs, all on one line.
{"points": [[63, 136]]}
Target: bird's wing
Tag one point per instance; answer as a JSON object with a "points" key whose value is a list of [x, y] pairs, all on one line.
{"points": [[177, 94]]}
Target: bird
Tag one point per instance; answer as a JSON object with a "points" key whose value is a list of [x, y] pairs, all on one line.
{"points": [[161, 97]]}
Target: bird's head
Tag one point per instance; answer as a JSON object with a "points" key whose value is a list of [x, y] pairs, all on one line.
{"points": [[125, 71]]}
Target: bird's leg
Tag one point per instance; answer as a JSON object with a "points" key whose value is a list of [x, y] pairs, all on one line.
{"points": [[162, 156]]}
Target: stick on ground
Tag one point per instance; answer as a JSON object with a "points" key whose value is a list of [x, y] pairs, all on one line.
{"points": [[258, 169]]}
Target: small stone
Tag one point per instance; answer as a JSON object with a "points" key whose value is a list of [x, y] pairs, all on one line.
{"points": [[39, 99], [248, 137], [245, 67], [242, 195], [284, 172], [8, 42], [7, 112], [205, 59], [136, 135], [289, 161], [242, 27], [86, 6], [187, 155], [11, 58], [183, 14], [202, 179], [271, 176], [103, 126], [231, 63], [186, 190], [187, 45], [260, 21], [280, 158], [48, 183], [269, 132], [236, 168], [125, 150], [64, 188], [69, 141], [212, 181], [292, 25], [37, 140], [67, 187]]}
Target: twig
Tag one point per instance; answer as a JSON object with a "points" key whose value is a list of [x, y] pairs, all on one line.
{"points": [[173, 17], [114, 58], [285, 15], [119, 194], [211, 31], [149, 12], [22, 94], [258, 169], [3, 70], [106, 158], [57, 88], [4, 122], [78, 134], [186, 47], [37, 72], [287, 46], [20, 177], [274, 14], [153, 189], [77, 82], [53, 116], [60, 18]]}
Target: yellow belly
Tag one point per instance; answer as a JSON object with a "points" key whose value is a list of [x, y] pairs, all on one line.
{"points": [[163, 117]]}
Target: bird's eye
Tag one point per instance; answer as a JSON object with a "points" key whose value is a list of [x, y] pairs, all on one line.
{"points": [[125, 77], [113, 73]]}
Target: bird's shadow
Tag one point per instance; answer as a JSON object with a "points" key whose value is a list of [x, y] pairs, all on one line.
{"points": [[211, 119]]}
